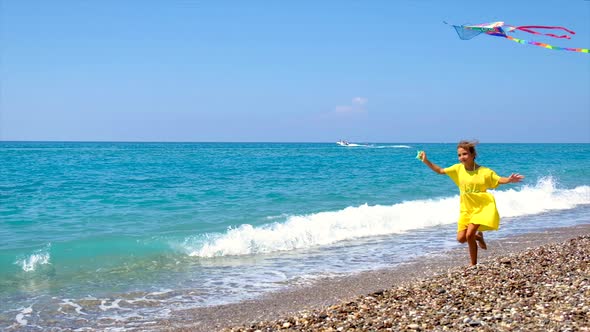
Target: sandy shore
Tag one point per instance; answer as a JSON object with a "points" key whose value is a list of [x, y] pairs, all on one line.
{"points": [[340, 304]]}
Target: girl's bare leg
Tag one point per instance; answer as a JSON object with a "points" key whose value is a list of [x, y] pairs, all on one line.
{"points": [[461, 238], [472, 242], [480, 241]]}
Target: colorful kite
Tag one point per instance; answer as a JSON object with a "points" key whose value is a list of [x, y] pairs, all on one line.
{"points": [[499, 29]]}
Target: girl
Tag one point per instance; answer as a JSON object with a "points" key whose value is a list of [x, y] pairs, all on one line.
{"points": [[478, 207]]}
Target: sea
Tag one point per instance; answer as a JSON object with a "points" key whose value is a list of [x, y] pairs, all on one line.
{"points": [[118, 235]]}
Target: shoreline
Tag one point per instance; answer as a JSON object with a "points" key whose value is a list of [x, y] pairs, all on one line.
{"points": [[333, 291]]}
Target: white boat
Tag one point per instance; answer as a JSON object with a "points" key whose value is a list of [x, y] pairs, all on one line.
{"points": [[343, 143]]}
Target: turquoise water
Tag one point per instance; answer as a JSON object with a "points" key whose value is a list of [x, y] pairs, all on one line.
{"points": [[95, 234]]}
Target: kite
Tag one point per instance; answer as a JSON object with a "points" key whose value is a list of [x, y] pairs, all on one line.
{"points": [[499, 29]]}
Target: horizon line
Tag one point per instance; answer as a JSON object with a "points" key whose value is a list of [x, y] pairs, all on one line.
{"points": [[266, 142]]}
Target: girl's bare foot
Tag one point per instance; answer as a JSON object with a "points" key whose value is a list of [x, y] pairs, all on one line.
{"points": [[480, 241]]}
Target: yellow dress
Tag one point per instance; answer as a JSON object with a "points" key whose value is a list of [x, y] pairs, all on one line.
{"points": [[477, 205]]}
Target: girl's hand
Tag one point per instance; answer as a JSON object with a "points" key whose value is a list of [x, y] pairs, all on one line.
{"points": [[422, 156], [515, 177]]}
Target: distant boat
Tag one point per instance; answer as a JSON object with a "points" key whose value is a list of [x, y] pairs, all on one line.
{"points": [[343, 143], [348, 144]]}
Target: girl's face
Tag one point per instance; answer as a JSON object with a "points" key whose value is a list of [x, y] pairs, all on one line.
{"points": [[465, 157]]}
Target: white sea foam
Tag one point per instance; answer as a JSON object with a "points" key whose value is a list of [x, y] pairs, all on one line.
{"points": [[326, 228], [33, 261], [113, 305], [20, 317], [70, 303], [542, 197]]}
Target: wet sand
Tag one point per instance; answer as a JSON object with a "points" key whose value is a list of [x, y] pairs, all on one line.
{"points": [[334, 291]]}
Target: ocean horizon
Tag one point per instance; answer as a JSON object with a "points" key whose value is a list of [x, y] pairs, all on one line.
{"points": [[98, 233], [368, 143]]}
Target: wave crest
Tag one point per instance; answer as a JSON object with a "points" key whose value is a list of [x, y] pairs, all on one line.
{"points": [[325, 228]]}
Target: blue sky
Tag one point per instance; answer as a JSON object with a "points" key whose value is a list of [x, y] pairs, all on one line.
{"points": [[289, 71]]}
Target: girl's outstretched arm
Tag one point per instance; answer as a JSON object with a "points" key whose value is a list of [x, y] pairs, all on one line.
{"points": [[434, 167], [513, 178]]}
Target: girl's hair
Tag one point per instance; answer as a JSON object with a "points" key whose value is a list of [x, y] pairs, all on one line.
{"points": [[469, 146]]}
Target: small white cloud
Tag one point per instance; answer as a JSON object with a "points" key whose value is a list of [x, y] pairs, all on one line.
{"points": [[359, 100], [357, 106]]}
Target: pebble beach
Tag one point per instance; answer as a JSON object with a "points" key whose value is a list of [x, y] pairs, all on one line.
{"points": [[529, 282], [541, 289]]}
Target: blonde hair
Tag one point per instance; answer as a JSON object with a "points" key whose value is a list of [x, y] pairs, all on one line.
{"points": [[469, 146]]}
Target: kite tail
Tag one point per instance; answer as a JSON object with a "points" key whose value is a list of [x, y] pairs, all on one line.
{"points": [[551, 47], [529, 29]]}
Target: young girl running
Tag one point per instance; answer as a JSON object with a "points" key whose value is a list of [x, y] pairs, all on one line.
{"points": [[478, 207]]}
